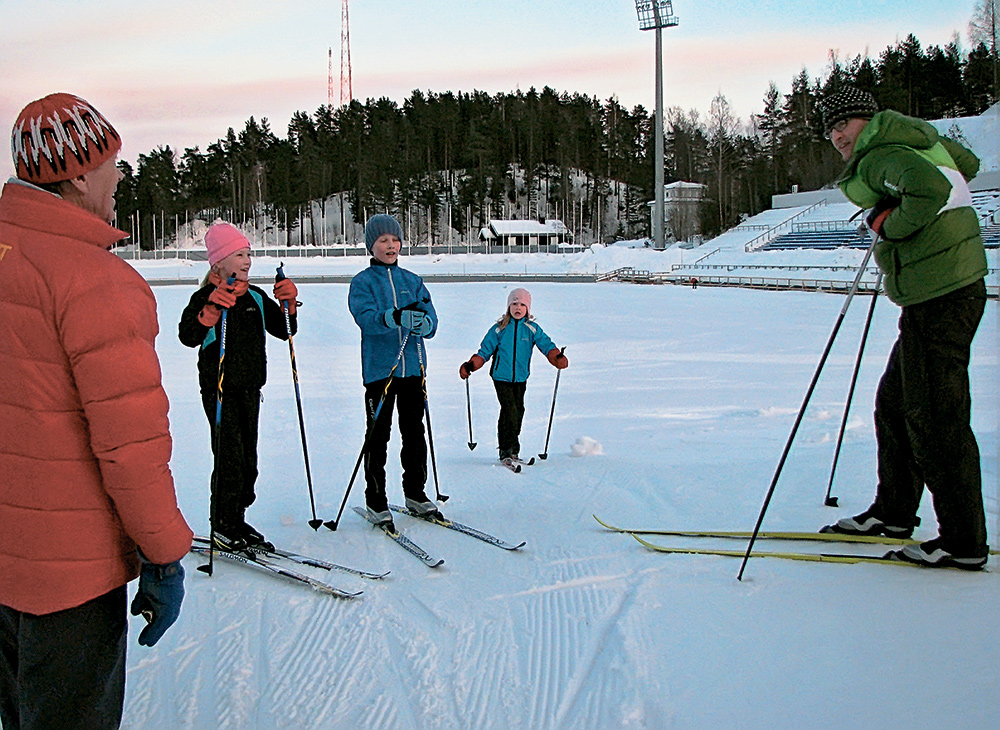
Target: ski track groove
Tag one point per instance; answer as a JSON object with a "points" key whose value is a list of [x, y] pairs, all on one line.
{"points": [[481, 697], [332, 640], [560, 621], [609, 687]]}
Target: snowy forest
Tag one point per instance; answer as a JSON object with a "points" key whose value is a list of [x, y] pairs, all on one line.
{"points": [[528, 154]]}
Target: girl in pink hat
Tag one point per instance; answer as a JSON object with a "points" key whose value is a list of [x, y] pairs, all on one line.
{"points": [[251, 314], [509, 342]]}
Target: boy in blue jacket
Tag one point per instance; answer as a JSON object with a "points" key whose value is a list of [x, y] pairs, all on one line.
{"points": [[389, 303], [509, 342]]}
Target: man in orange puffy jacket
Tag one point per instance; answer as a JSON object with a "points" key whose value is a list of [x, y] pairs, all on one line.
{"points": [[87, 500]]}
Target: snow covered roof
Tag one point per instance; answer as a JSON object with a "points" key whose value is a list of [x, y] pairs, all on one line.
{"points": [[550, 227]]}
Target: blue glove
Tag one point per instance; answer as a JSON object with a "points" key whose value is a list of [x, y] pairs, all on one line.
{"points": [[419, 323], [161, 591]]}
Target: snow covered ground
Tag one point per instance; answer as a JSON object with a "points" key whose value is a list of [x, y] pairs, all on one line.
{"points": [[690, 394]]}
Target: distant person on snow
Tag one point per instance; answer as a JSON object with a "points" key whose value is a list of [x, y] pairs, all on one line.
{"points": [[931, 253], [251, 314], [509, 342], [388, 304], [87, 500]]}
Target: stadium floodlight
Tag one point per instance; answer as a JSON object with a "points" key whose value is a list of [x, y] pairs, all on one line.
{"points": [[657, 15]]}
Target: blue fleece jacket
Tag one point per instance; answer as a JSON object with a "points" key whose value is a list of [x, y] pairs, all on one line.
{"points": [[373, 291], [510, 349]]}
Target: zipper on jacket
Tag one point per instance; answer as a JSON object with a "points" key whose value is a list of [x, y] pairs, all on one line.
{"points": [[399, 334], [513, 359]]}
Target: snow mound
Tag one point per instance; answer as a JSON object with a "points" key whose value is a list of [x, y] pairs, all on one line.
{"points": [[586, 446]]}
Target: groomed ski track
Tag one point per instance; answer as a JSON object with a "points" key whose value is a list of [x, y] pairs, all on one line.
{"points": [[584, 629]]}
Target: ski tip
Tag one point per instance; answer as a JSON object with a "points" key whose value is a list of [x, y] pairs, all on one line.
{"points": [[315, 524]]}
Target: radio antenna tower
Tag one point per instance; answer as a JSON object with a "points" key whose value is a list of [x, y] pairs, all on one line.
{"points": [[329, 81], [346, 92]]}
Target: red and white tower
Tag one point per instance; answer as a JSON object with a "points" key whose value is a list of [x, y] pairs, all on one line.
{"points": [[346, 92]]}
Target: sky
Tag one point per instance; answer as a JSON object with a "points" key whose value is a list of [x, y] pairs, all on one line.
{"points": [[181, 73]]}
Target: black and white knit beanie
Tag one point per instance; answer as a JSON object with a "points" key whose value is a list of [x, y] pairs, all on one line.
{"points": [[848, 103]]}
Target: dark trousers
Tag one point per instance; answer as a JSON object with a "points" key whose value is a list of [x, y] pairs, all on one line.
{"points": [[235, 449], [64, 670], [922, 420], [407, 396], [511, 397]]}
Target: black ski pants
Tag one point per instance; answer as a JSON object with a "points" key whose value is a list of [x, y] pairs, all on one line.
{"points": [[234, 446], [64, 670], [511, 397], [406, 395], [922, 420]]}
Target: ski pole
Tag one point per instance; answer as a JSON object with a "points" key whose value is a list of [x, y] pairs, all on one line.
{"points": [[545, 454], [314, 522], [332, 524], [218, 439], [468, 407], [805, 402], [427, 412], [832, 501]]}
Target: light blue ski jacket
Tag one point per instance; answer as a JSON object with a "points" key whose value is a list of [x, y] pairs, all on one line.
{"points": [[373, 291], [510, 349]]}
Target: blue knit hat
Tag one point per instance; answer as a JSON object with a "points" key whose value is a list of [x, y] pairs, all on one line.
{"points": [[378, 225]]}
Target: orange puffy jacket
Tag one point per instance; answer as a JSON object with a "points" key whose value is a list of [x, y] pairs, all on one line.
{"points": [[84, 437]]}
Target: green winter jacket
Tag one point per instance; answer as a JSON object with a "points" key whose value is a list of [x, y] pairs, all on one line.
{"points": [[930, 244]]}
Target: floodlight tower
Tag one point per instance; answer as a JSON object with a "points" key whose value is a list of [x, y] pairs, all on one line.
{"points": [[346, 92], [657, 15]]}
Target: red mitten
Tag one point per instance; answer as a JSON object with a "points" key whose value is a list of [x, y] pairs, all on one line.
{"points": [[557, 359], [209, 315], [285, 291], [467, 368], [222, 298]]}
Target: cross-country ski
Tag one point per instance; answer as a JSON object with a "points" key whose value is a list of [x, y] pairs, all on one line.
{"points": [[459, 527], [891, 557]]}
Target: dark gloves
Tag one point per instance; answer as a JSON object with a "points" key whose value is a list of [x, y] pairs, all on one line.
{"points": [[467, 368], [876, 218], [285, 292], [557, 358], [161, 591]]}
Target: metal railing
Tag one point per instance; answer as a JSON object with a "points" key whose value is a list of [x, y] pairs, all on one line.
{"points": [[763, 238]]}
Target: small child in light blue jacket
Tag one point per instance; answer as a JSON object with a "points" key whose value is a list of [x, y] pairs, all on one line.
{"points": [[510, 342]]}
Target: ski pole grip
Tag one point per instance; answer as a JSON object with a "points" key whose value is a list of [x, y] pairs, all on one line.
{"points": [[280, 272]]}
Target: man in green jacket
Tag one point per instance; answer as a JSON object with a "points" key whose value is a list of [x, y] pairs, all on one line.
{"points": [[930, 251]]}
